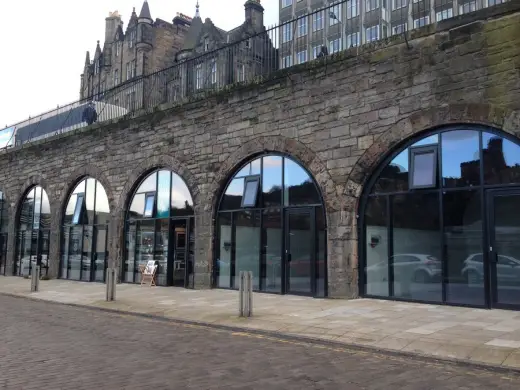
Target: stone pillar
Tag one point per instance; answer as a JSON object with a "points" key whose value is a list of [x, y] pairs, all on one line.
{"points": [[203, 250], [11, 242]]}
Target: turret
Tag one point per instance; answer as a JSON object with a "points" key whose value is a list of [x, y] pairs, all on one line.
{"points": [[254, 13]]}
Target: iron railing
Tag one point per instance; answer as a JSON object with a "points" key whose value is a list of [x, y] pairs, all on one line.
{"points": [[336, 27]]}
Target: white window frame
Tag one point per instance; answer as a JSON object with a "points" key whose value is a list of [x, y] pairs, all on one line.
{"points": [[350, 40], [302, 26], [352, 9], [466, 8], [287, 32], [286, 3], [417, 22], [317, 21], [336, 9], [287, 61], [368, 5], [402, 4], [399, 29], [301, 57], [241, 73], [332, 44], [213, 72], [198, 76], [116, 77], [206, 44], [373, 28], [315, 51], [444, 14]]}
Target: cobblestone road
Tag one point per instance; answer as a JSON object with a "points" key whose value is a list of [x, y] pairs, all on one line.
{"points": [[49, 346]]}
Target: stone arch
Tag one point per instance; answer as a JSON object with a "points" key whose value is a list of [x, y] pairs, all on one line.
{"points": [[454, 114], [297, 150], [156, 162], [76, 177], [469, 113], [35, 180], [118, 216]]}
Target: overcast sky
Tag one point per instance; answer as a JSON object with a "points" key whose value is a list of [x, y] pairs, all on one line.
{"points": [[44, 44]]}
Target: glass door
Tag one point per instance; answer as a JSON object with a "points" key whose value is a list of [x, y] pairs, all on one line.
{"points": [[300, 251], [179, 253], [504, 247]]}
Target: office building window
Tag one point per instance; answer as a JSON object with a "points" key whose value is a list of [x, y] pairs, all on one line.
{"points": [[352, 8], [315, 51], [445, 14], [335, 14], [317, 21], [421, 22], [287, 32], [372, 33], [301, 56], [353, 40], [470, 6], [302, 26], [116, 77], [241, 73], [286, 3], [399, 29], [334, 46], [372, 5], [286, 62], [399, 4]]}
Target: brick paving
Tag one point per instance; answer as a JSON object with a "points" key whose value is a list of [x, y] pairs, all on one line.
{"points": [[44, 345]]}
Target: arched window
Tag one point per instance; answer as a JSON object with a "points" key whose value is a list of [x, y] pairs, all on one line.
{"points": [[159, 228], [271, 221], [4, 223], [33, 231], [441, 216], [84, 252]]}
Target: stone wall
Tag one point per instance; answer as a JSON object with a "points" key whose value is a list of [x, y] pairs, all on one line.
{"points": [[339, 117]]}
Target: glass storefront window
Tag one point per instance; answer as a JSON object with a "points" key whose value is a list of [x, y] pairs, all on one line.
{"points": [[84, 232], [159, 228], [271, 222], [4, 223], [428, 243], [33, 231]]}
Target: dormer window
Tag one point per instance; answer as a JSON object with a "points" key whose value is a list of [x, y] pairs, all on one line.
{"points": [[206, 44], [118, 49], [96, 67]]}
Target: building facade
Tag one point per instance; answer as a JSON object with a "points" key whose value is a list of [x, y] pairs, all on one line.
{"points": [[144, 47], [392, 173], [341, 24]]}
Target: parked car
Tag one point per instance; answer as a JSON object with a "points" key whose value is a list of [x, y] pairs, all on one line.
{"points": [[419, 268], [508, 269]]}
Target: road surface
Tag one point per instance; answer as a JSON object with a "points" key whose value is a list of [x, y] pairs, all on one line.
{"points": [[50, 346]]}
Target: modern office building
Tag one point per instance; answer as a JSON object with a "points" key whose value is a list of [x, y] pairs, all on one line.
{"points": [[341, 24]]}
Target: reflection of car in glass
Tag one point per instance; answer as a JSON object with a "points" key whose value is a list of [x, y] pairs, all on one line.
{"points": [[508, 269], [32, 259], [419, 268]]}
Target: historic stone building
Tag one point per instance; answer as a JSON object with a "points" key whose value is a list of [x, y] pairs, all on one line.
{"points": [[388, 170], [145, 46]]}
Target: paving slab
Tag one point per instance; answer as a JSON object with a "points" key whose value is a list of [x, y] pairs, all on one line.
{"points": [[476, 335]]}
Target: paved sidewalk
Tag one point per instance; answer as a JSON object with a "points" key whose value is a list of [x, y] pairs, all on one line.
{"points": [[481, 336]]}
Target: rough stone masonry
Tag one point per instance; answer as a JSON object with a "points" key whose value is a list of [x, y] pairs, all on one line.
{"points": [[338, 116]]}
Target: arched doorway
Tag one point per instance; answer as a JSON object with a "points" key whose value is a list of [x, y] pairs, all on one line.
{"points": [[85, 232], [33, 233], [160, 227], [271, 221], [4, 223], [440, 220]]}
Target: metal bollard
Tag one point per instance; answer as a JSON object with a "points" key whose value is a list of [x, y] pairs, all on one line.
{"points": [[245, 294], [35, 279], [110, 284]]}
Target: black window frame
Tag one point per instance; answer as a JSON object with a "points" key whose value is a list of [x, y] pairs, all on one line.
{"points": [[417, 150], [79, 196], [250, 179]]}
